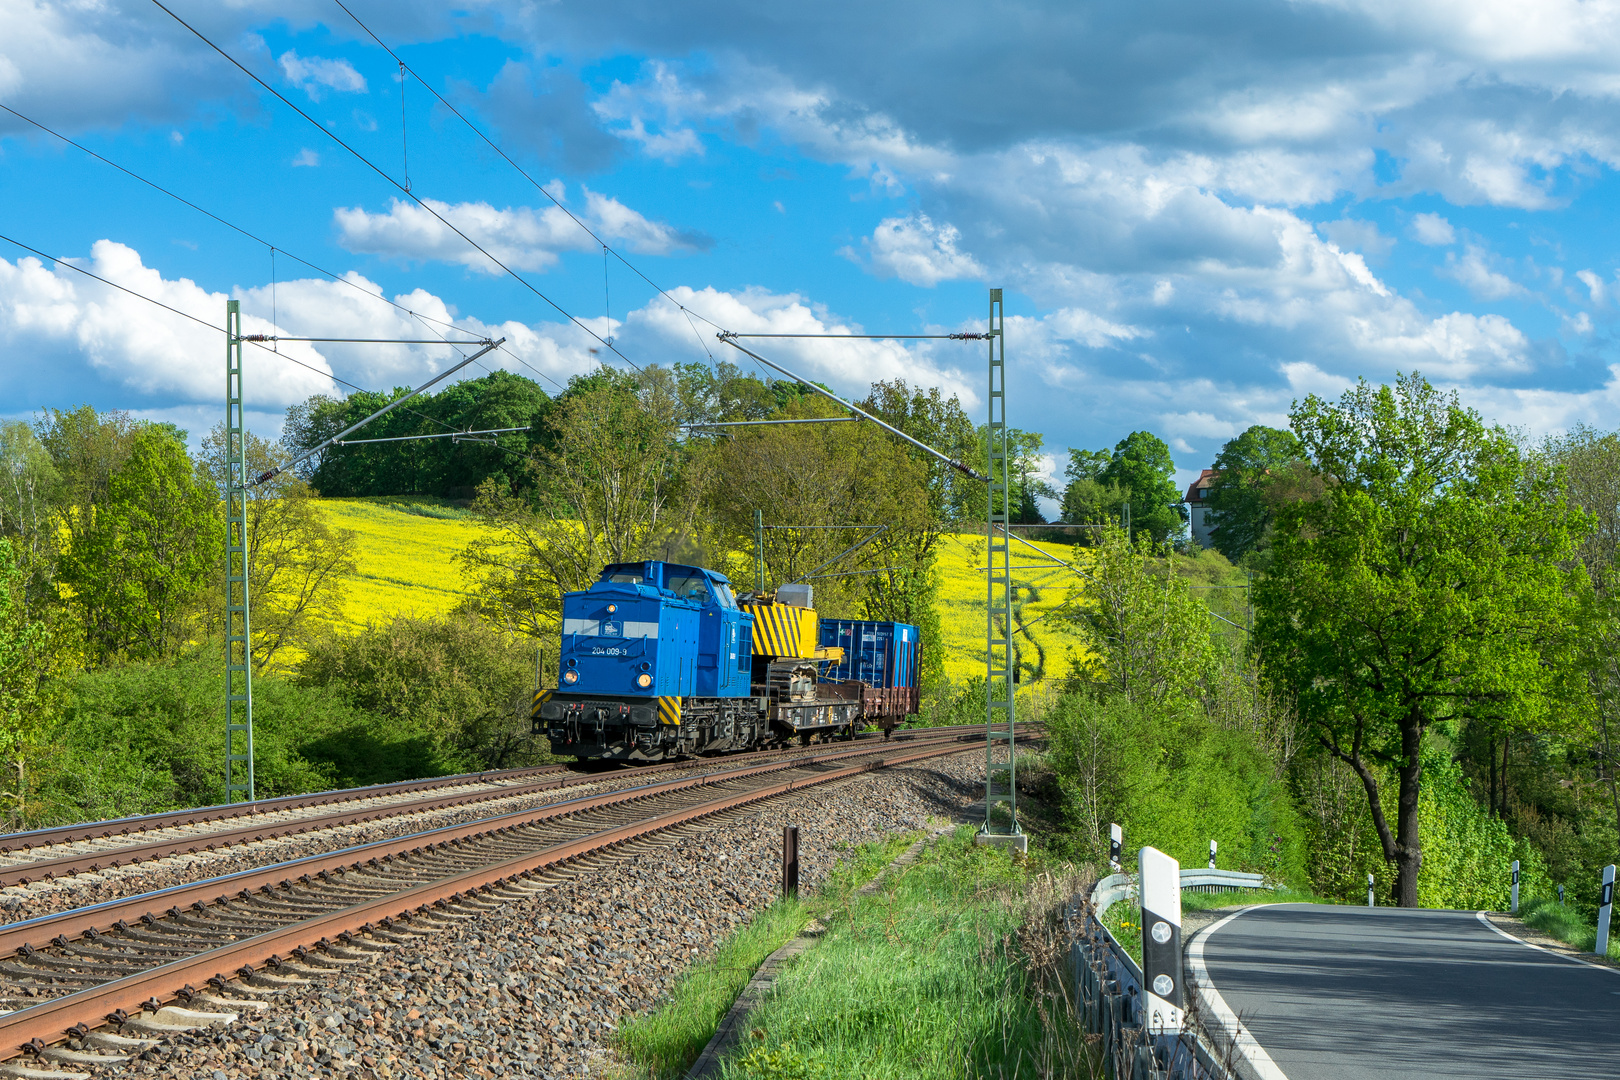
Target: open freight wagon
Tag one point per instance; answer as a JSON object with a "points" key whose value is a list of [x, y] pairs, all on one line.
{"points": [[885, 656]]}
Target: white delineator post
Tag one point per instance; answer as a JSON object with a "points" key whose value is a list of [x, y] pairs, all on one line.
{"points": [[1370, 891], [1160, 882], [1212, 846], [1515, 886], [1116, 839], [1605, 906]]}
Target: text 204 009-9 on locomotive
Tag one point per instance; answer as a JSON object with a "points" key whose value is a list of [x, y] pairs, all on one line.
{"points": [[660, 660]]}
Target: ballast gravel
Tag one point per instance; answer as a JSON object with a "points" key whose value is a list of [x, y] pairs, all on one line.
{"points": [[19, 902], [537, 987]]}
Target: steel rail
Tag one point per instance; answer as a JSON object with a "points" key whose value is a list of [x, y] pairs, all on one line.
{"points": [[110, 829], [106, 915], [103, 830], [27, 1029]]}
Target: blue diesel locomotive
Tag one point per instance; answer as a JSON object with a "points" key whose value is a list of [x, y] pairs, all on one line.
{"points": [[660, 660]]}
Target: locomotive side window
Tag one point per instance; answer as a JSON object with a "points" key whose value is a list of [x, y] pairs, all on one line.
{"points": [[693, 587], [724, 593]]}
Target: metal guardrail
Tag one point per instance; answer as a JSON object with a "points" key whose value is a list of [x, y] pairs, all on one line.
{"points": [[1109, 988]]}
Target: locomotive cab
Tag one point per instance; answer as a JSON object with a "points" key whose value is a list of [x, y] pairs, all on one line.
{"points": [[642, 641]]}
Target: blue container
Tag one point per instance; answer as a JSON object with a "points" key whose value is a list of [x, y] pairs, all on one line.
{"points": [[656, 629], [883, 655]]}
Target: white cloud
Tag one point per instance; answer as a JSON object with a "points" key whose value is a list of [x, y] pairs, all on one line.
{"points": [[1362, 236], [313, 73], [1432, 229], [137, 345], [1473, 272], [850, 366], [306, 158], [522, 238], [1593, 283], [917, 251]]}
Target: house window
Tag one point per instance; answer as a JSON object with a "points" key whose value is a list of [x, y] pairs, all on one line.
{"points": [[1203, 493]]}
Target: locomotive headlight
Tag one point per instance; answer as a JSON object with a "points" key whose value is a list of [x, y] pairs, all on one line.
{"points": [[570, 676], [612, 608], [644, 680]]}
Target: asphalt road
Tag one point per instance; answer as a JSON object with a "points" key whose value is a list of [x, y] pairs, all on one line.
{"points": [[1345, 993]]}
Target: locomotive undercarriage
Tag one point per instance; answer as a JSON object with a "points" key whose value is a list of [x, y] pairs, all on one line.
{"points": [[629, 730]]}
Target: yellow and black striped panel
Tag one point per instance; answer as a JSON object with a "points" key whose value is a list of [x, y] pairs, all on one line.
{"points": [[783, 630], [540, 698], [669, 710]]}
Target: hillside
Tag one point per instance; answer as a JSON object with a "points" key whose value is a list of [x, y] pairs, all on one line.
{"points": [[407, 550]]}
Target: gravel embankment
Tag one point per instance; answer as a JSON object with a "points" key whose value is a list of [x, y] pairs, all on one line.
{"points": [[537, 987], [19, 902]]}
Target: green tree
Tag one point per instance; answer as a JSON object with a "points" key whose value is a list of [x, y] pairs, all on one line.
{"points": [[828, 475], [441, 466], [1432, 580], [30, 495], [31, 654], [146, 553], [1087, 499], [86, 449], [1142, 470], [453, 694], [297, 562], [1148, 639], [1239, 502], [1588, 461], [608, 484]]}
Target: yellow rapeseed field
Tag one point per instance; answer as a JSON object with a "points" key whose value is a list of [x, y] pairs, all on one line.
{"points": [[407, 567], [1039, 588], [406, 560]]}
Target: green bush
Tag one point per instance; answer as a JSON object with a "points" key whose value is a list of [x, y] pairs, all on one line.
{"points": [[1173, 780], [1467, 852], [144, 738], [452, 695]]}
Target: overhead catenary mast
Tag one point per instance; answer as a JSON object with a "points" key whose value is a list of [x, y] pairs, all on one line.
{"points": [[1000, 659], [238, 556]]}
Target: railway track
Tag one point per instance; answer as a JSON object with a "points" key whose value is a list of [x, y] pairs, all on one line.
{"points": [[48, 854], [136, 963]]}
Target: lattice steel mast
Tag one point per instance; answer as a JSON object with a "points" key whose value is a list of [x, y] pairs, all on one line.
{"points": [[238, 641], [1000, 659]]}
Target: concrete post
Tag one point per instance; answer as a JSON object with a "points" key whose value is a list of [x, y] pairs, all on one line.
{"points": [[1605, 906], [1515, 886], [1160, 882]]}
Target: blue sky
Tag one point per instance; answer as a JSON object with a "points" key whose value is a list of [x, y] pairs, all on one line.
{"points": [[1200, 213]]}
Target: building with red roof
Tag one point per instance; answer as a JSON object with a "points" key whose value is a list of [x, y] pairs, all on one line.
{"points": [[1198, 502]]}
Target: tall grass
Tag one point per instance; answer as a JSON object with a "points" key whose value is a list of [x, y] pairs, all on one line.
{"points": [[665, 1042], [1568, 925], [953, 969]]}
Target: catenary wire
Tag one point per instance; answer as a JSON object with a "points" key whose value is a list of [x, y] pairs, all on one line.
{"points": [[358, 156], [220, 330], [426, 320], [606, 247]]}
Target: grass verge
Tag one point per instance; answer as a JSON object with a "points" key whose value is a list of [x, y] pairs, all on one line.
{"points": [[1567, 924], [955, 968], [952, 968], [665, 1042]]}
